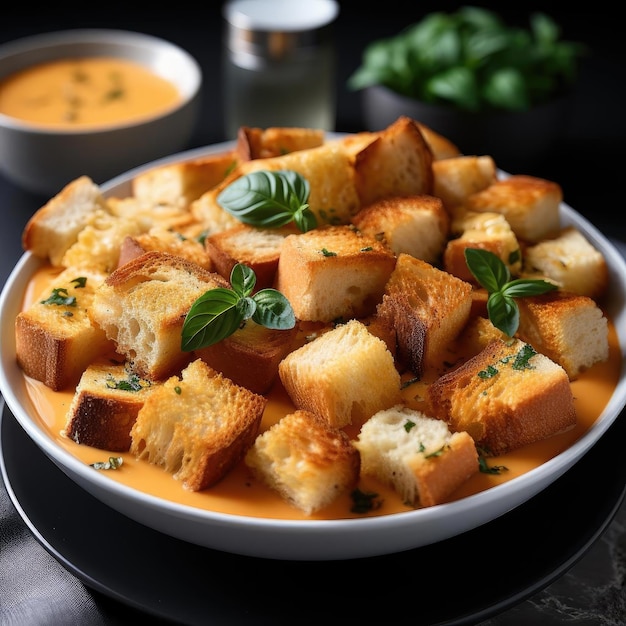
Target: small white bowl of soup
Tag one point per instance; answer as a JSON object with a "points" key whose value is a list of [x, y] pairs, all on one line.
{"points": [[92, 102]]}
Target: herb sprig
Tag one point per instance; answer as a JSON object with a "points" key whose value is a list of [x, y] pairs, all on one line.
{"points": [[269, 199], [219, 312], [491, 272]]}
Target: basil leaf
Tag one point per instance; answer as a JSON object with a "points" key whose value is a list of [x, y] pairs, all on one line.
{"points": [[503, 313], [219, 312], [487, 268], [212, 317], [242, 280], [527, 287], [268, 199], [273, 310]]}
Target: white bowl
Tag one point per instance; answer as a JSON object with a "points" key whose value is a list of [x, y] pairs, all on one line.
{"points": [[43, 160], [306, 539]]}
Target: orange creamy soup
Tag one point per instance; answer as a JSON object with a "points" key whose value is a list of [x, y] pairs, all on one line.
{"points": [[90, 91], [240, 494]]}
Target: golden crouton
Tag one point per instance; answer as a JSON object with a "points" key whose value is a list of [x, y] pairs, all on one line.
{"points": [[262, 143], [305, 460]]}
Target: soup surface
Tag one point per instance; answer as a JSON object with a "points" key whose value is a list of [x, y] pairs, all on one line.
{"points": [[240, 494], [87, 91]]}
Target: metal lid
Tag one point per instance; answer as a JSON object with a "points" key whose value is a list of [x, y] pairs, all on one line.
{"points": [[276, 29]]}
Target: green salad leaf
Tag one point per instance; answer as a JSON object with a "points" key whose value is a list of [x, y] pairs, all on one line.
{"points": [[219, 312], [492, 273]]}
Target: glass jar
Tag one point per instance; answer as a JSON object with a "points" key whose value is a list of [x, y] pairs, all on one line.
{"points": [[279, 64]]}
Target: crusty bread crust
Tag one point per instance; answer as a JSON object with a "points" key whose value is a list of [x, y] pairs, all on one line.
{"points": [[263, 143], [198, 426], [397, 163], [505, 397], [102, 411], [305, 460], [250, 356]]}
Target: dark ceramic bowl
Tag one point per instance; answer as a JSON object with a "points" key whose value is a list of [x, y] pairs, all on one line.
{"points": [[509, 137]]}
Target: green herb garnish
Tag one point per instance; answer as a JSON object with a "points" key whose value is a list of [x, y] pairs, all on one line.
{"points": [[495, 277], [270, 199], [60, 297], [219, 312], [364, 502], [114, 462]]}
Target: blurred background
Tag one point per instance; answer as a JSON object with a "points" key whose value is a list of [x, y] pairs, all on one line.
{"points": [[587, 163]]}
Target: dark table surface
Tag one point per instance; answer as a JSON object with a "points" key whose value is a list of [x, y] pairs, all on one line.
{"points": [[588, 163]]}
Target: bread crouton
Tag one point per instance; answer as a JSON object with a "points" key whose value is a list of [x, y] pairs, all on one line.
{"points": [[263, 143], [142, 307], [417, 225], [55, 226], [344, 375], [179, 184], [105, 406], [305, 460], [98, 245], [458, 177], [55, 339], [397, 163], [258, 248], [198, 426], [250, 356], [505, 397], [333, 273], [440, 145], [416, 454], [428, 309], [570, 261], [569, 329], [529, 204], [485, 231], [159, 239]]}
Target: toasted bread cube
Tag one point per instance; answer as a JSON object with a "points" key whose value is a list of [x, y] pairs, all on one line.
{"points": [[428, 308], [179, 184], [486, 231], [440, 145], [142, 307], [333, 273], [344, 375], [505, 397], [258, 248], [416, 454], [529, 204], [55, 339], [162, 240], [570, 261], [417, 225], [105, 406], [263, 143], [569, 329], [457, 178], [51, 231], [397, 163], [250, 356], [198, 426], [305, 460]]}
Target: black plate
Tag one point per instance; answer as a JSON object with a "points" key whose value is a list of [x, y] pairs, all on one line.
{"points": [[461, 580]]}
